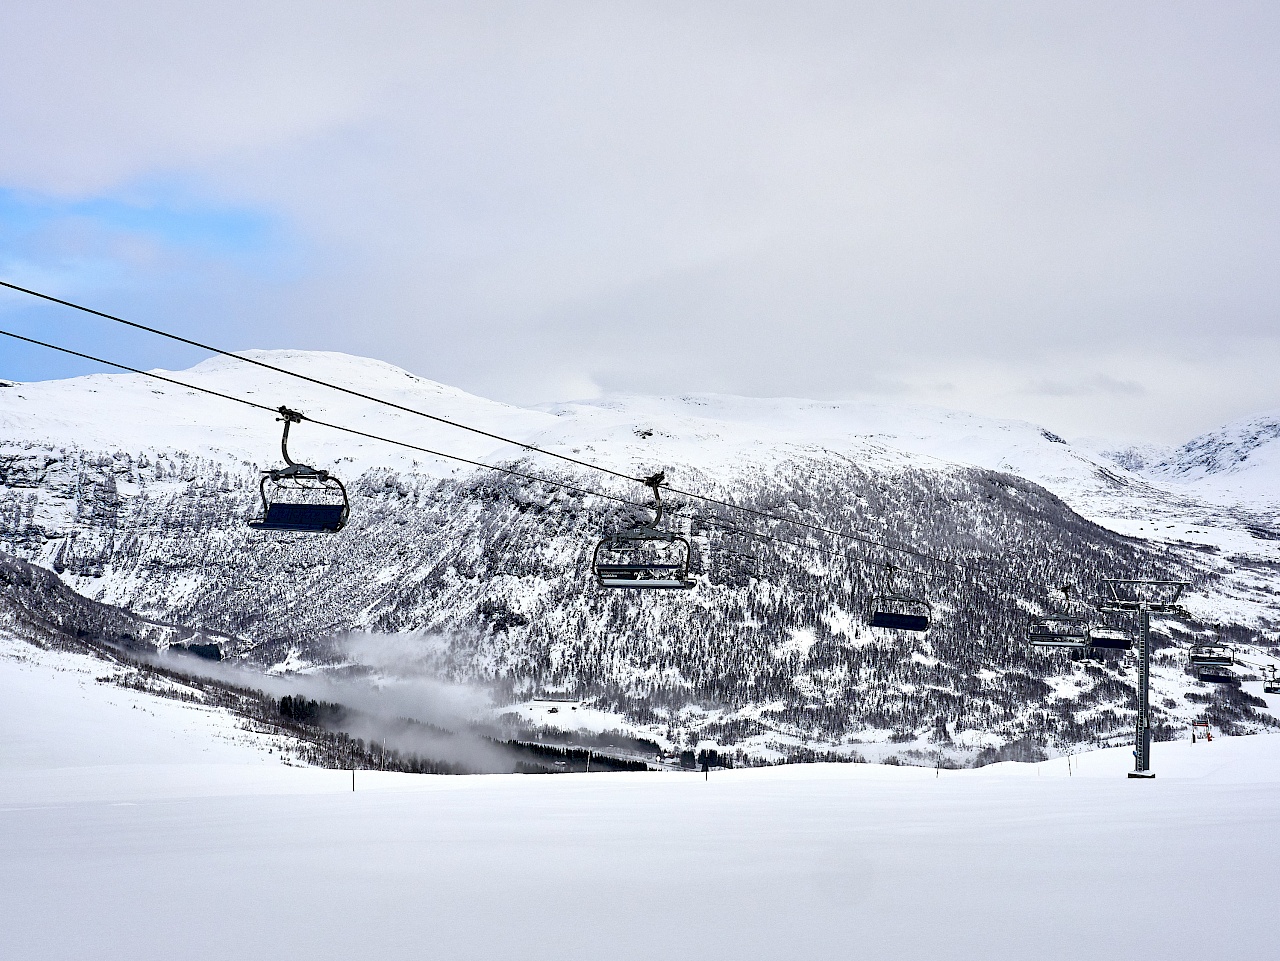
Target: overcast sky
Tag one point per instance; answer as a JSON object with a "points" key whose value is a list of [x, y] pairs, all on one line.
{"points": [[1059, 212]]}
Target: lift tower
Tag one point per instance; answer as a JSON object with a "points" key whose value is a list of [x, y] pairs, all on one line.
{"points": [[1142, 598]]}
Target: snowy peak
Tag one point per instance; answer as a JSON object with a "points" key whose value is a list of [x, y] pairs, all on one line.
{"points": [[1237, 465], [1231, 449], [365, 374]]}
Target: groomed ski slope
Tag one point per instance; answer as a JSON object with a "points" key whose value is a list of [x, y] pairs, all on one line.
{"points": [[134, 827]]}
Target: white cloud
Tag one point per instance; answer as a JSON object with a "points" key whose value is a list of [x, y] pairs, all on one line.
{"points": [[820, 199]]}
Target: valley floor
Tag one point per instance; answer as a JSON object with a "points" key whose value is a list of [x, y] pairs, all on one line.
{"points": [[140, 828]]}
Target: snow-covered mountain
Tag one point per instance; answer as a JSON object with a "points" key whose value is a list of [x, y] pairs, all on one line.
{"points": [[136, 493], [1236, 464]]}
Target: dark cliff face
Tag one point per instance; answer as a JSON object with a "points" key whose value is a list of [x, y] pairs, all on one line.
{"points": [[495, 574]]}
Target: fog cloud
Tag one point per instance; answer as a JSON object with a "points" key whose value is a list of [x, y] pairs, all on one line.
{"points": [[388, 681]]}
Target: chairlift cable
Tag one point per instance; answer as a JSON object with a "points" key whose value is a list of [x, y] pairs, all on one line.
{"points": [[317, 381], [924, 555], [765, 515], [349, 430]]}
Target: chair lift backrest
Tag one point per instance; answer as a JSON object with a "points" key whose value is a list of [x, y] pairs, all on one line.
{"points": [[895, 621], [1110, 639], [1211, 655], [315, 518]]}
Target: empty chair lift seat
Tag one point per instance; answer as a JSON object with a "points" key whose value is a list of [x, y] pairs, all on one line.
{"points": [[666, 576], [644, 557], [309, 518], [299, 497], [896, 621], [897, 609], [1110, 639]]}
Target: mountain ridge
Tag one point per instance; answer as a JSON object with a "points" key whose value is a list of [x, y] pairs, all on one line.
{"points": [[490, 573]]}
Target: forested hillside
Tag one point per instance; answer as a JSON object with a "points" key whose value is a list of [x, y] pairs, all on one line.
{"points": [[768, 654]]}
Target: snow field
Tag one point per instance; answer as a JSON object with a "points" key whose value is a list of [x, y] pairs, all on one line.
{"points": [[55, 713], [137, 828]]}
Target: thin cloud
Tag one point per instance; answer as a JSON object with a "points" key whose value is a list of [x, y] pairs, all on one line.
{"points": [[1098, 384]]}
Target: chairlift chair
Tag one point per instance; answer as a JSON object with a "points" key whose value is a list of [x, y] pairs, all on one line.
{"points": [[298, 497], [1059, 631], [1110, 639], [645, 556], [1211, 655], [1062, 631], [897, 610], [1212, 663], [1271, 681]]}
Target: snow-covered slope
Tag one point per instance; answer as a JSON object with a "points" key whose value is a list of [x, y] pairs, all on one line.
{"points": [[134, 830], [60, 709], [1238, 463], [129, 412], [719, 433], [136, 493], [714, 434]]}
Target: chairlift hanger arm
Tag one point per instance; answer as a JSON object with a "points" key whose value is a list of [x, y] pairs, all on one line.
{"points": [[289, 417]]}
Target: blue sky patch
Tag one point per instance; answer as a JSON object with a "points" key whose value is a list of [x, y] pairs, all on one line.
{"points": [[160, 255], [161, 214]]}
